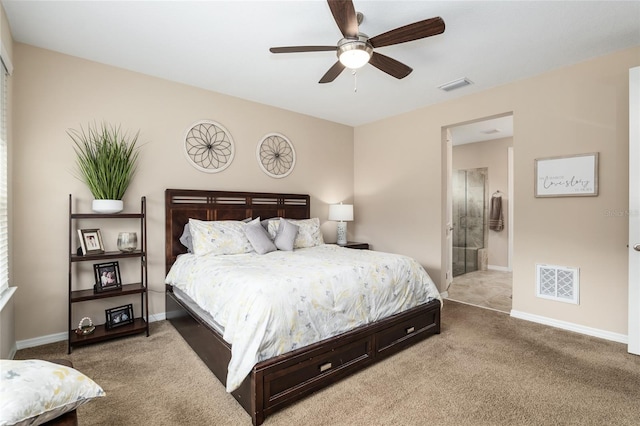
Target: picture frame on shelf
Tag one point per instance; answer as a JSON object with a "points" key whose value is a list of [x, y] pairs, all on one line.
{"points": [[107, 276], [117, 317], [91, 241]]}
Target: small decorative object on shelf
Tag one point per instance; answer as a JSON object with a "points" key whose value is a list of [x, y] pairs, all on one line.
{"points": [[127, 241], [85, 327], [121, 315], [91, 241], [107, 276]]}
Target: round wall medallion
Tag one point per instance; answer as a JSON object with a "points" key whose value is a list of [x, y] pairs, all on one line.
{"points": [[209, 146], [276, 155]]}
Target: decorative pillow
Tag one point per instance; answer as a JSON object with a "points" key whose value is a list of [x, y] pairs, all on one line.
{"points": [[36, 391], [219, 237], [309, 234], [286, 235], [259, 237], [186, 239]]}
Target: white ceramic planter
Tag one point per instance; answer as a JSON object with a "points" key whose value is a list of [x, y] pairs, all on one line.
{"points": [[107, 206]]}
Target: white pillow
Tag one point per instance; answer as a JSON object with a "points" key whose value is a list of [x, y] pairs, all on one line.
{"points": [[219, 237], [308, 235], [36, 391]]}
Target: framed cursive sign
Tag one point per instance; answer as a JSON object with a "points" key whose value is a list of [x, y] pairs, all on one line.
{"points": [[567, 176]]}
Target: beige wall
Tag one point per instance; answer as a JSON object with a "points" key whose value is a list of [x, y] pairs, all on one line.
{"points": [[55, 92], [577, 109], [494, 156]]}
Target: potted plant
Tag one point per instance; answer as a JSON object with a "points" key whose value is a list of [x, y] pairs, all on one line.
{"points": [[106, 160]]}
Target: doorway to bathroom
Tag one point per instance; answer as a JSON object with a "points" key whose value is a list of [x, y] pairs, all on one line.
{"points": [[479, 178]]}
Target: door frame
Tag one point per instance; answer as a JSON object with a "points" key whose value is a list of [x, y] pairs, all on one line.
{"points": [[446, 269], [634, 212]]}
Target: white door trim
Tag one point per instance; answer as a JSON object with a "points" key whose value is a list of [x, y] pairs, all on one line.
{"points": [[634, 211]]}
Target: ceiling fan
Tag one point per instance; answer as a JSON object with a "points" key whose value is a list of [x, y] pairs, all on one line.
{"points": [[355, 49]]}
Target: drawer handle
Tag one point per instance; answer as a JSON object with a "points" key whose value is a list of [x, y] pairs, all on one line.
{"points": [[410, 330], [325, 367]]}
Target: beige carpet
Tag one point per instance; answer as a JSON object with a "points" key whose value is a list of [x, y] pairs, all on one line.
{"points": [[484, 369]]}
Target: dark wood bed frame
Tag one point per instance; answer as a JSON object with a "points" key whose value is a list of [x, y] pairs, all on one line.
{"points": [[280, 381]]}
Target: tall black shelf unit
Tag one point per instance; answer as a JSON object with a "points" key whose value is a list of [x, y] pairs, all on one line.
{"points": [[141, 322]]}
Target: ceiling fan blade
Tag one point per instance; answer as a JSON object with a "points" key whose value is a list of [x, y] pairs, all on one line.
{"points": [[345, 16], [390, 66], [333, 72], [415, 31], [296, 49]]}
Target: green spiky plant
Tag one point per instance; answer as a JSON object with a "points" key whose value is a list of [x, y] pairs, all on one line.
{"points": [[107, 159]]}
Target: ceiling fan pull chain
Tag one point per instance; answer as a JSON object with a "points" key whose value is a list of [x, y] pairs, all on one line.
{"points": [[355, 81]]}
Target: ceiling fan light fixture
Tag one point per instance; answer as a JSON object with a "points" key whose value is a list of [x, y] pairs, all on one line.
{"points": [[354, 54]]}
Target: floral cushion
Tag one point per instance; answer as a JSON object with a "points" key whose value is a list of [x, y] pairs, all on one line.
{"points": [[308, 235], [33, 392], [219, 237]]}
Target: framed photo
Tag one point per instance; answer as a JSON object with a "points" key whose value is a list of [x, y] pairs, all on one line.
{"points": [[91, 241], [567, 176], [107, 276], [116, 317]]}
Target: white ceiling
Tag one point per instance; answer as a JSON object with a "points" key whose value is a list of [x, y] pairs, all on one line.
{"points": [[223, 46]]}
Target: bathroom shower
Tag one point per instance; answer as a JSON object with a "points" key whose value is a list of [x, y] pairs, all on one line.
{"points": [[470, 232]]}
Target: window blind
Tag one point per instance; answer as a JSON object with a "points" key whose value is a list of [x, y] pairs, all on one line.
{"points": [[4, 223]]}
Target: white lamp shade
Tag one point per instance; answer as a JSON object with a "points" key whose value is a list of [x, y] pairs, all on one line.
{"points": [[341, 212]]}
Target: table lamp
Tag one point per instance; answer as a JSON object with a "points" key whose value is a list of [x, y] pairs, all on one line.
{"points": [[342, 213]]}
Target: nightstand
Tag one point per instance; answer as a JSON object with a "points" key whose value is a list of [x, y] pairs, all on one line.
{"points": [[354, 245]]}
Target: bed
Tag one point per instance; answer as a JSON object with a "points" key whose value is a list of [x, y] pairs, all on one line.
{"points": [[278, 381]]}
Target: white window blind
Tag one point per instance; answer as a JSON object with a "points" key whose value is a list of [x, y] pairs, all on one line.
{"points": [[4, 225]]}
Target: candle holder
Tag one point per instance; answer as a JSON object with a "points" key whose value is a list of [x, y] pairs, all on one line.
{"points": [[127, 241]]}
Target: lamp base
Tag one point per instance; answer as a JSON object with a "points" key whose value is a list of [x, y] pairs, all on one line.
{"points": [[342, 233]]}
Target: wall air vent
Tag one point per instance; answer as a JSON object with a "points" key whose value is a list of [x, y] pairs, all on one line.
{"points": [[455, 84], [557, 283]]}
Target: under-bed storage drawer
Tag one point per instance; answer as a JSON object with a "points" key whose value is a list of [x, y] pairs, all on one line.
{"points": [[404, 333], [314, 371]]}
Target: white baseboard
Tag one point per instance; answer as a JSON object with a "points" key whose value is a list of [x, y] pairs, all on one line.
{"points": [[157, 317], [589, 331], [59, 337], [42, 340], [498, 268]]}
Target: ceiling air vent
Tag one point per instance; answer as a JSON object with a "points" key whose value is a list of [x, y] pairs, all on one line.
{"points": [[455, 84]]}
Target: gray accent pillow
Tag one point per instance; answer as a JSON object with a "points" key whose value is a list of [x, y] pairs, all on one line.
{"points": [[259, 238], [286, 235], [185, 238]]}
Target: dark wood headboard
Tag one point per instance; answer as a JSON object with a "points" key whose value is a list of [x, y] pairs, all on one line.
{"points": [[182, 204]]}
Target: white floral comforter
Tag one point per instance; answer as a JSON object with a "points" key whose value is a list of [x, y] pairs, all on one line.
{"points": [[273, 303]]}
